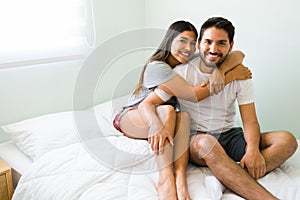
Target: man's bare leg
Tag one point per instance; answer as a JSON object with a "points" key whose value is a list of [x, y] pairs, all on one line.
{"points": [[277, 147], [205, 150], [181, 154]]}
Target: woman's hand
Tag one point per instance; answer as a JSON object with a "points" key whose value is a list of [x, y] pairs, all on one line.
{"points": [[159, 131], [157, 139], [215, 82]]}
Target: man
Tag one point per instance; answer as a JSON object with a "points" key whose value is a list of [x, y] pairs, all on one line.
{"points": [[215, 141]]}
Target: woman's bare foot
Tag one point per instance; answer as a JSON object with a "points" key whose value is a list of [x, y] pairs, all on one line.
{"points": [[166, 188], [182, 187]]}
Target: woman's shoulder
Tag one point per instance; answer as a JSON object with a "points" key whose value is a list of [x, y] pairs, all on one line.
{"points": [[158, 67], [157, 63], [156, 73]]}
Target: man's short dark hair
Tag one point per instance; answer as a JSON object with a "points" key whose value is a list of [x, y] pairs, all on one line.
{"points": [[220, 23]]}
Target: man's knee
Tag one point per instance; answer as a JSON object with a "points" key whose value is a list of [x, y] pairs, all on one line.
{"points": [[204, 145], [283, 139], [289, 140]]}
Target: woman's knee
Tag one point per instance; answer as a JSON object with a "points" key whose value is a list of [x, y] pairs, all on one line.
{"points": [[167, 108], [166, 111]]}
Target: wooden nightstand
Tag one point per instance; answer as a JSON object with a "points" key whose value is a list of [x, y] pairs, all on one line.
{"points": [[6, 185]]}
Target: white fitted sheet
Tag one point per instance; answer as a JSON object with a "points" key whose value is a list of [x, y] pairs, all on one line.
{"points": [[13, 156]]}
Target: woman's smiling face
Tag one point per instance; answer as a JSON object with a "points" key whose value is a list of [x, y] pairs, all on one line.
{"points": [[184, 46]]}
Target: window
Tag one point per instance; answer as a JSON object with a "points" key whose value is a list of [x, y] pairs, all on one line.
{"points": [[38, 31]]}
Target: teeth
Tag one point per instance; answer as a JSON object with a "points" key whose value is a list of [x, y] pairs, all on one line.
{"points": [[213, 56], [185, 54]]}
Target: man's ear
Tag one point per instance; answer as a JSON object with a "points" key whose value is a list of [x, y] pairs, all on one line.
{"points": [[198, 44], [231, 45]]}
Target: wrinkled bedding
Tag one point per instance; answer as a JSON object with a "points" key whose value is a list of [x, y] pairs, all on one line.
{"points": [[72, 173], [126, 169]]}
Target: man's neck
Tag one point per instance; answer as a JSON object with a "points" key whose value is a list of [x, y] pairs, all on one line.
{"points": [[205, 69]]}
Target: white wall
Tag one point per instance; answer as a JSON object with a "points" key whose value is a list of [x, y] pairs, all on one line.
{"points": [[113, 19], [34, 90], [268, 32]]}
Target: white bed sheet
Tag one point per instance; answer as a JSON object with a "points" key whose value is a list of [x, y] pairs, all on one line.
{"points": [[14, 157], [72, 172]]}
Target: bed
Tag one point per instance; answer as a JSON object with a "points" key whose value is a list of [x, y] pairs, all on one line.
{"points": [[79, 155]]}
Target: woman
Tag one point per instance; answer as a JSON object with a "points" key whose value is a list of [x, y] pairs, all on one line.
{"points": [[141, 119]]}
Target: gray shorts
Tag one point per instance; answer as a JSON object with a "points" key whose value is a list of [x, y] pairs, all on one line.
{"points": [[232, 141]]}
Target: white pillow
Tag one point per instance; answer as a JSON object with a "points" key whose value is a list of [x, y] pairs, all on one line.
{"points": [[39, 135]]}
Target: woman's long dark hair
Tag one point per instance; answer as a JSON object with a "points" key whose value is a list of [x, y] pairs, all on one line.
{"points": [[163, 51]]}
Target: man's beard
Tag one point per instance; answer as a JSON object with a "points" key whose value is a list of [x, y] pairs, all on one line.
{"points": [[213, 64]]}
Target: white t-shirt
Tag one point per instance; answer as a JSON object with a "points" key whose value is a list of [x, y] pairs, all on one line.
{"points": [[156, 73], [216, 113]]}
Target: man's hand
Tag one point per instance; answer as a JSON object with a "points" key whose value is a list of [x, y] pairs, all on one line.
{"points": [[254, 162], [157, 139]]}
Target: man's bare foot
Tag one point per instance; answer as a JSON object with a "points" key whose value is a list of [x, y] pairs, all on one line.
{"points": [[182, 187], [166, 188]]}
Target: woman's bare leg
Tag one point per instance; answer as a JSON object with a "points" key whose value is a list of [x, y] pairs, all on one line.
{"points": [[133, 126], [166, 184], [181, 154]]}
